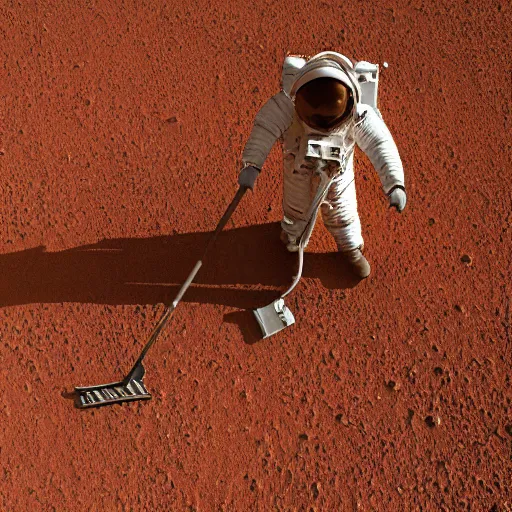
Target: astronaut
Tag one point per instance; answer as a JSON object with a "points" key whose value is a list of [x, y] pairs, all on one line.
{"points": [[319, 115]]}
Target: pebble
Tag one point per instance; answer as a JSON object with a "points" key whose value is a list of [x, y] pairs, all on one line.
{"points": [[393, 385], [341, 419], [466, 258], [432, 421]]}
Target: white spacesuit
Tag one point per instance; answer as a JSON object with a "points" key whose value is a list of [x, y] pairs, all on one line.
{"points": [[320, 115]]}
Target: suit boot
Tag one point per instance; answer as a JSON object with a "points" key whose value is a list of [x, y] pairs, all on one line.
{"points": [[291, 243], [357, 262]]}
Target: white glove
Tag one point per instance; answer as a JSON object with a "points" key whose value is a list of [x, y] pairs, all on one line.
{"points": [[397, 198]]}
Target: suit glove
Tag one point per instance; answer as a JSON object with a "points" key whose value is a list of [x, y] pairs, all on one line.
{"points": [[247, 176], [397, 198]]}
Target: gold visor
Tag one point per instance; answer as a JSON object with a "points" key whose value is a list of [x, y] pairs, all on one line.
{"points": [[323, 103]]}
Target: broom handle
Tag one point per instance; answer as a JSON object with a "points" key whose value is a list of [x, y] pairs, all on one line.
{"points": [[220, 226], [170, 308]]}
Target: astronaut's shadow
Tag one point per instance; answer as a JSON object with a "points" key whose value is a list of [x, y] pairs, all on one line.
{"points": [[247, 268]]}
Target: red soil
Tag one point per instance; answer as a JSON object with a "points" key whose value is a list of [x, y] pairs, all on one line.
{"points": [[122, 131]]}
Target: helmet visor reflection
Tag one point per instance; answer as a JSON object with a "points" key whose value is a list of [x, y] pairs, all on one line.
{"points": [[323, 103]]}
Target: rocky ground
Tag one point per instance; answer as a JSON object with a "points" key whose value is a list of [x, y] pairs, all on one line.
{"points": [[122, 129]]}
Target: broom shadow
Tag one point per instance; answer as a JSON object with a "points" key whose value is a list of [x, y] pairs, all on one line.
{"points": [[247, 268]]}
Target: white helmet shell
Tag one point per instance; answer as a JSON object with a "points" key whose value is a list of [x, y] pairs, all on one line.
{"points": [[324, 64]]}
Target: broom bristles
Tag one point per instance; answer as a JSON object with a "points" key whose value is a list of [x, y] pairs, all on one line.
{"points": [[107, 394]]}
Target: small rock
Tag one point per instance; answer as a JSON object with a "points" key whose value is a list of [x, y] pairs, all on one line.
{"points": [[171, 120], [393, 385], [431, 222], [460, 309], [466, 258], [508, 429], [432, 421], [341, 419], [303, 437]]}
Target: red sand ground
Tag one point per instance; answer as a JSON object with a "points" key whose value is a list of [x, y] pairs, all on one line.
{"points": [[122, 130]]}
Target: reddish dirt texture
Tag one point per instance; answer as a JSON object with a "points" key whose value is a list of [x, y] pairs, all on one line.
{"points": [[122, 127]]}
